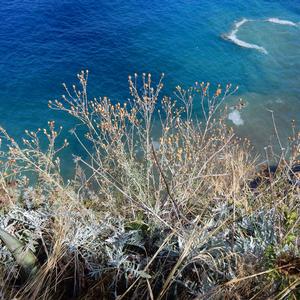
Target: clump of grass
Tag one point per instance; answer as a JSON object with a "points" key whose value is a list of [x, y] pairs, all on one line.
{"points": [[166, 203]]}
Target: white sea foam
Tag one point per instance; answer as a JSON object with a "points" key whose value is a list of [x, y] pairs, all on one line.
{"points": [[234, 39], [282, 22], [236, 118], [240, 23]]}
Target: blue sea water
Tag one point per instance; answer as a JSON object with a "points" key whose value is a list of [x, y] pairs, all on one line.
{"points": [[46, 42]]}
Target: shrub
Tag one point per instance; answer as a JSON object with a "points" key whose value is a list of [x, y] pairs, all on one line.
{"points": [[165, 203]]}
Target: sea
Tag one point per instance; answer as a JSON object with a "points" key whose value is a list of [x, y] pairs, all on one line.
{"points": [[251, 44]]}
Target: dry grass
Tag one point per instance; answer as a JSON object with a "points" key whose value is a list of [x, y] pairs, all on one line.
{"points": [[185, 216]]}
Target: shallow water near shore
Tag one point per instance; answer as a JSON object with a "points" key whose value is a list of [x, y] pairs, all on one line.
{"points": [[45, 43]]}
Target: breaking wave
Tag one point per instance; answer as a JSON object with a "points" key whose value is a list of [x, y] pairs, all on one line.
{"points": [[282, 22], [231, 36]]}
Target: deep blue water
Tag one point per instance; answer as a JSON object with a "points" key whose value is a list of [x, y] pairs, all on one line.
{"points": [[46, 42]]}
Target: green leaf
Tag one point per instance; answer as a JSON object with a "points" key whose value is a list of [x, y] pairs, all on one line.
{"points": [[24, 257], [290, 238]]}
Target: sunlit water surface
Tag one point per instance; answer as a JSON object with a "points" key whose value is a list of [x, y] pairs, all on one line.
{"points": [[44, 43]]}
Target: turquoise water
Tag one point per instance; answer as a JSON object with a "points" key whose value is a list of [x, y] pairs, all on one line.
{"points": [[44, 43]]}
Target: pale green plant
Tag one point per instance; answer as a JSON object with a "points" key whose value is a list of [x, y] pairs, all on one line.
{"points": [[161, 206]]}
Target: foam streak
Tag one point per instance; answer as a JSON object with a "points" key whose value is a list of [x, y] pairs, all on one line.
{"points": [[281, 22], [234, 39]]}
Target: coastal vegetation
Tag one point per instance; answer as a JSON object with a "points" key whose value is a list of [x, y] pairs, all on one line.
{"points": [[167, 202]]}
